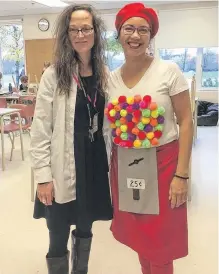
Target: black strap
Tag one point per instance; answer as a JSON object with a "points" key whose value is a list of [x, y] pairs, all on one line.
{"points": [[181, 177]]}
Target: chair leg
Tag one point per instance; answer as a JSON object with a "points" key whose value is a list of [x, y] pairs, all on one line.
{"points": [[12, 146]]}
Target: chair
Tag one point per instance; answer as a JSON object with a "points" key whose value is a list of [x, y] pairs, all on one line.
{"points": [[13, 125]]}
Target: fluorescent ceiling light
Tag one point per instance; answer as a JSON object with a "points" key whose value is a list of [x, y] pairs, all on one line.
{"points": [[52, 3]]}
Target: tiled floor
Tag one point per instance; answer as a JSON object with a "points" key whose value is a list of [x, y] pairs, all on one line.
{"points": [[24, 241]]}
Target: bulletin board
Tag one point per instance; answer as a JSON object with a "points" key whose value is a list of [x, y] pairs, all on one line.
{"points": [[37, 52]]}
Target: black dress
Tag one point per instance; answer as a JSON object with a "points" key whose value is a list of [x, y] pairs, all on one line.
{"points": [[93, 201]]}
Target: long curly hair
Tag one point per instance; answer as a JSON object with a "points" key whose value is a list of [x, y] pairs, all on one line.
{"points": [[66, 58]]}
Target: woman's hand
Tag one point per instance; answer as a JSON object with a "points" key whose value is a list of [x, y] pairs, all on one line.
{"points": [[178, 192], [45, 193]]}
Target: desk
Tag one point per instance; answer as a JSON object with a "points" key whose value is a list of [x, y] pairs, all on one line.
{"points": [[4, 112]]}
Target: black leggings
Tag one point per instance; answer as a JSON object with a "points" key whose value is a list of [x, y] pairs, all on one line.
{"points": [[59, 238]]}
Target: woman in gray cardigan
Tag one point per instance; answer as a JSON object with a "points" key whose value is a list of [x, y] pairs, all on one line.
{"points": [[68, 152]]}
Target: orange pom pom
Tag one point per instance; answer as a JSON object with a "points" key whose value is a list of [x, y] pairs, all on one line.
{"points": [[123, 121], [118, 132], [117, 108], [135, 131], [135, 120], [153, 106], [112, 125], [153, 122], [137, 98], [154, 142]]}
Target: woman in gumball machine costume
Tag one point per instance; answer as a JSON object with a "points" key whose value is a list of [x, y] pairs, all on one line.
{"points": [[149, 155]]}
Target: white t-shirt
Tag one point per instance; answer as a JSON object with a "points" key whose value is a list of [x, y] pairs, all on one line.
{"points": [[162, 80]]}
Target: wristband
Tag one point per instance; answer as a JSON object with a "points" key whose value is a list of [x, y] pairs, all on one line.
{"points": [[181, 177]]}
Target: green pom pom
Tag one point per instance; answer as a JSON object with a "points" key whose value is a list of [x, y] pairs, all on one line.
{"points": [[124, 136], [146, 113], [146, 144], [117, 123], [159, 127], [140, 126], [161, 110]]}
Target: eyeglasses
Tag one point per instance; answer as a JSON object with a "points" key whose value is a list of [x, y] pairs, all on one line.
{"points": [[85, 31], [130, 29]]}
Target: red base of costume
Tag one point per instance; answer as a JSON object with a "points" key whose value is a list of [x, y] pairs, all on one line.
{"points": [[149, 268], [161, 238]]}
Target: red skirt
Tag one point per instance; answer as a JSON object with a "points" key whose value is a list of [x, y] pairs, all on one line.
{"points": [[158, 238]]}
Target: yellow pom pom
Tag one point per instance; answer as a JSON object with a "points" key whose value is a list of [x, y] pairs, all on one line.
{"points": [[150, 135], [137, 143], [112, 125], [124, 128], [154, 114], [123, 112], [145, 120], [130, 100], [115, 102], [112, 113]]}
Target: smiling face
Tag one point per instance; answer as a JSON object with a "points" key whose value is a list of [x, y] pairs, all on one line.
{"points": [[135, 42], [81, 41]]}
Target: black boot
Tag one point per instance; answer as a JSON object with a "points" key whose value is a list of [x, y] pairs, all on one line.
{"points": [[59, 265], [80, 254]]}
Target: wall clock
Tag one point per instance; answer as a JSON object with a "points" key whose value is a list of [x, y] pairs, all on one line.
{"points": [[43, 24]]}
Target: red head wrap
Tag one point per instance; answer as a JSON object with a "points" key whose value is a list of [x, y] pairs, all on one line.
{"points": [[138, 10]]}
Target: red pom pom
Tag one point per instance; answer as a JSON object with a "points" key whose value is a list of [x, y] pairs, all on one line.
{"points": [[147, 99], [129, 144], [126, 144], [142, 135], [130, 126], [157, 134], [137, 113], [110, 106], [117, 140], [122, 99], [111, 119]]}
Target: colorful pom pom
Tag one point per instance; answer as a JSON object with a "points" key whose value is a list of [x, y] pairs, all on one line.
{"points": [[124, 105], [146, 113], [137, 143], [112, 113], [106, 111], [124, 136], [154, 142], [124, 128], [112, 125], [130, 125], [129, 109], [145, 120], [135, 131], [148, 128], [122, 99], [143, 105], [135, 120], [117, 108], [115, 102], [131, 137], [137, 98], [117, 140], [135, 106], [153, 122], [159, 127], [160, 119], [161, 110], [110, 106], [150, 135], [123, 120], [154, 114], [146, 143], [140, 126], [153, 106], [157, 134], [130, 100], [114, 133], [111, 119], [147, 99], [137, 113], [123, 112], [117, 123], [129, 117], [142, 135], [117, 116], [118, 131]]}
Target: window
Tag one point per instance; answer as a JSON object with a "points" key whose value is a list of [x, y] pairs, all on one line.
{"points": [[202, 62], [114, 54]]}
